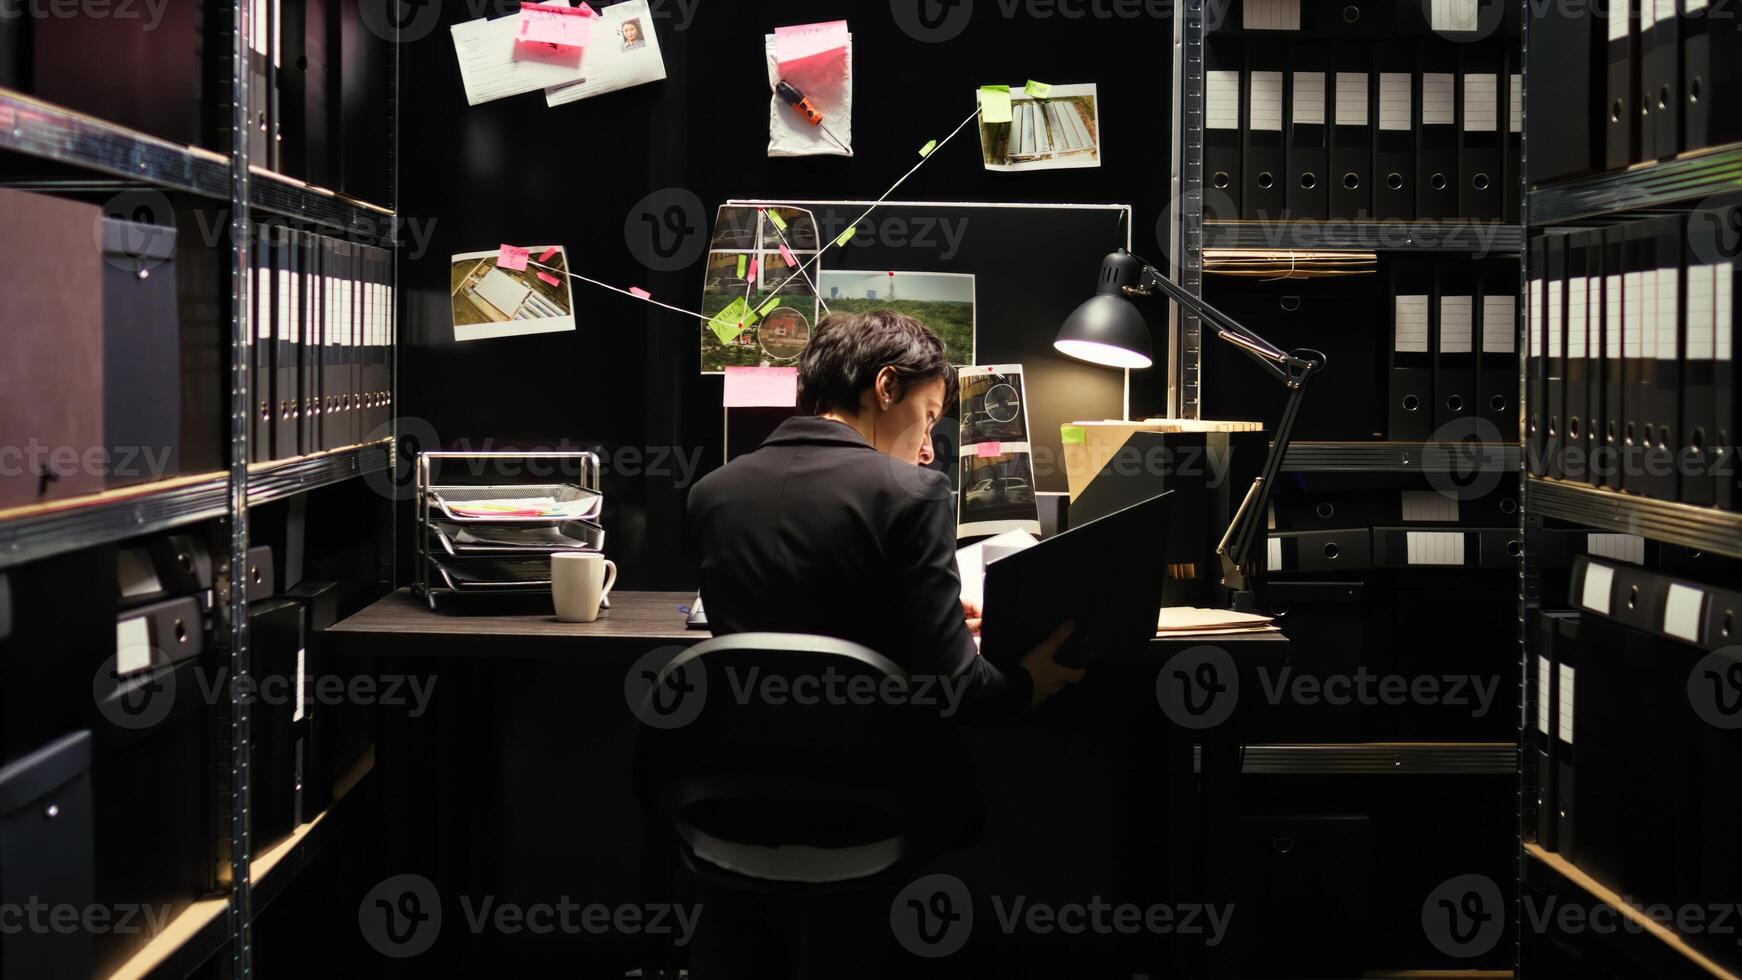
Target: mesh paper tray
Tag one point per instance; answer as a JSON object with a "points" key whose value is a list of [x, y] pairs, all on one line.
{"points": [[581, 503], [518, 540]]}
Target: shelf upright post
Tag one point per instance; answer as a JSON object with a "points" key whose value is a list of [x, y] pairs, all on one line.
{"points": [[1185, 214]]}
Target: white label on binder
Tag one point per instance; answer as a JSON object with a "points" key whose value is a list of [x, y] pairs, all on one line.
{"points": [[1701, 319], [1621, 547], [132, 646], [1544, 677], [1599, 581], [1612, 316], [1690, 6], [1515, 96], [1665, 10], [1499, 324], [1352, 98], [1683, 612], [1481, 102], [1668, 302], [1271, 15], [295, 335], [1309, 97], [1410, 319], [1273, 553], [1556, 293], [1533, 321], [1438, 106], [1457, 334], [1429, 506], [1265, 109], [283, 329], [1633, 324], [1394, 108], [1620, 13], [1222, 99], [1576, 318], [1452, 15], [296, 714], [1566, 703], [1722, 319], [1435, 547]]}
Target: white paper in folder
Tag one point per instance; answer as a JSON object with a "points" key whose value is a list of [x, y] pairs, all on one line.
{"points": [[971, 561]]}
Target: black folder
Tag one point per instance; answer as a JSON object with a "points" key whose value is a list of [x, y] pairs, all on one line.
{"points": [[1409, 413], [1436, 163], [1513, 160], [1350, 165], [1638, 324], [1556, 632], [260, 430], [1308, 125], [1576, 429], [1394, 149], [304, 83], [1711, 77], [1565, 64], [47, 860], [1554, 287], [1535, 359], [280, 720], [284, 367], [260, 46], [1620, 114], [1479, 133], [308, 255], [346, 343], [1695, 458], [1224, 122], [1726, 481], [1595, 345], [1660, 66], [141, 353], [1265, 93], [325, 357], [1454, 327], [1662, 479], [1497, 346], [1614, 376]]}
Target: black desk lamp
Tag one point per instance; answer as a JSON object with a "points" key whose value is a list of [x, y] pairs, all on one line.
{"points": [[1110, 330]]}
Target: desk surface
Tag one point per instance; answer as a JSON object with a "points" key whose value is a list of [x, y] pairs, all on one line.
{"points": [[403, 625]]}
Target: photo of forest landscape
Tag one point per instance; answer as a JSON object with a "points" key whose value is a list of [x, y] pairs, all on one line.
{"points": [[943, 301]]}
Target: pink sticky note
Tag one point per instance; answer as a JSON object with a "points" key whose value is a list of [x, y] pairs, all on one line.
{"points": [[987, 450], [553, 280], [513, 259], [639, 293], [786, 253], [547, 254], [761, 387], [808, 43], [754, 266], [547, 23]]}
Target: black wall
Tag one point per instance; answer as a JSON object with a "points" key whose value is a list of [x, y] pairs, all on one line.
{"points": [[581, 175]]}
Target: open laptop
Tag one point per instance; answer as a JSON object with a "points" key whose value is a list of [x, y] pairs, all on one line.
{"points": [[1106, 575]]}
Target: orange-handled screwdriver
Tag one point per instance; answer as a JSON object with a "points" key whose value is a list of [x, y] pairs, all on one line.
{"points": [[802, 104]]}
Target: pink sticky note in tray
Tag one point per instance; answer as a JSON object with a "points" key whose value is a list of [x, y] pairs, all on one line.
{"points": [[810, 43], [761, 387], [987, 450], [786, 254], [547, 23], [552, 280], [639, 293], [513, 259]]}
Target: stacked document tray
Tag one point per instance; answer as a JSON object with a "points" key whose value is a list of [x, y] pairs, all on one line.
{"points": [[496, 538]]}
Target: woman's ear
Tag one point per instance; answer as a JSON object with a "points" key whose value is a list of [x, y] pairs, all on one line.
{"points": [[885, 388]]}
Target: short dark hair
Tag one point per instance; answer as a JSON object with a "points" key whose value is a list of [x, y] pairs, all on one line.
{"points": [[848, 350]]}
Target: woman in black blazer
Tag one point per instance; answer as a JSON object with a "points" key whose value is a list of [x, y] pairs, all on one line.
{"points": [[835, 527]]}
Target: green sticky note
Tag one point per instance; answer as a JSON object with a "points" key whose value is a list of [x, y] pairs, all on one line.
{"points": [[1072, 435], [925, 151], [846, 236], [776, 219], [743, 265], [994, 103], [731, 321], [1039, 90], [767, 307]]}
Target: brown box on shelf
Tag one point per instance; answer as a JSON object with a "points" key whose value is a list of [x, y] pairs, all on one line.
{"points": [[51, 377], [1089, 445]]}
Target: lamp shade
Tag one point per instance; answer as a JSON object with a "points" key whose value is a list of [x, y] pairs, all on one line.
{"points": [[1109, 329]]}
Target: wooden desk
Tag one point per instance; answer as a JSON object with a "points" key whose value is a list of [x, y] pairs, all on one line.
{"points": [[402, 625]]}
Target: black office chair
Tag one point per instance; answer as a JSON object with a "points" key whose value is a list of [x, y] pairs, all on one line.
{"points": [[781, 804]]}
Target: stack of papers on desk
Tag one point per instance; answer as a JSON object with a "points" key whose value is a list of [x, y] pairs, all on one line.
{"points": [[1211, 622]]}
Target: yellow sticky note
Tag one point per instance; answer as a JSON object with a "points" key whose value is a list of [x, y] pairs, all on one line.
{"points": [[743, 265], [994, 103], [766, 308], [1072, 435], [775, 219], [1039, 90], [925, 151], [846, 236], [731, 321]]}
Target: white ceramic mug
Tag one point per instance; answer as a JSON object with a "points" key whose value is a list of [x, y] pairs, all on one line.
{"points": [[579, 582]]}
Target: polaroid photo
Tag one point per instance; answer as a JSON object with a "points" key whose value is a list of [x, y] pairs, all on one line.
{"points": [[489, 302], [1060, 132]]}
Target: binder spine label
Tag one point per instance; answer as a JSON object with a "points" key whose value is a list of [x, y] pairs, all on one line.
{"points": [[1702, 322], [1620, 15], [1352, 98], [1435, 547], [1456, 329], [1309, 97], [1633, 310], [1394, 108], [1411, 325], [1565, 727], [1665, 10], [1429, 507], [1612, 316], [1515, 111], [1577, 322], [1438, 107], [1266, 107], [1222, 100], [1499, 324], [1544, 678], [1599, 583], [1555, 295], [1683, 612], [1721, 316], [1481, 102], [1667, 297]]}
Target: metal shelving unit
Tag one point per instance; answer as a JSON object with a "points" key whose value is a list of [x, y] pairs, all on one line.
{"points": [[1702, 528], [1400, 759], [1399, 457], [1688, 177], [1367, 236], [90, 155]]}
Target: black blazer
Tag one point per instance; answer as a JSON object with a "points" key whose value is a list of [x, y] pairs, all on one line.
{"points": [[818, 532]]}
